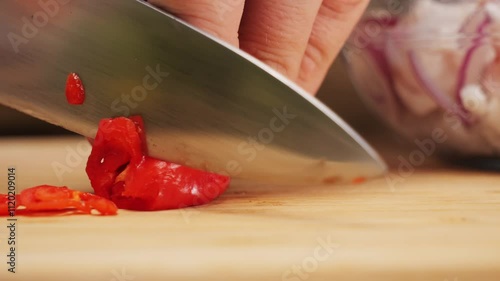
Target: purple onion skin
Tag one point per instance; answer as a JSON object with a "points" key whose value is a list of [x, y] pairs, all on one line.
{"points": [[379, 56], [462, 73], [434, 92]]}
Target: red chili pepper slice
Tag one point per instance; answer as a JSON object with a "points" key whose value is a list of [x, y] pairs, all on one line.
{"points": [[120, 170], [359, 180], [75, 93], [51, 198]]}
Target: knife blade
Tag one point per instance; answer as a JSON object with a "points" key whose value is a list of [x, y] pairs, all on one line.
{"points": [[205, 103]]}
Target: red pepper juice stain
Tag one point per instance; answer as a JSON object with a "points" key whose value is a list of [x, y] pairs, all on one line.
{"points": [[75, 92]]}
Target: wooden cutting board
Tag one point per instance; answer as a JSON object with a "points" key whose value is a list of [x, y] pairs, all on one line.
{"points": [[435, 224]]}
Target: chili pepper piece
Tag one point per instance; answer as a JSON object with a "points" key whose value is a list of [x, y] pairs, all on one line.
{"points": [[4, 205], [115, 145], [120, 170], [51, 198], [75, 92], [359, 180], [164, 186]]}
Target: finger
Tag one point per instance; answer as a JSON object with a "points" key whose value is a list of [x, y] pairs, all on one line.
{"points": [[217, 17], [277, 31], [334, 23]]}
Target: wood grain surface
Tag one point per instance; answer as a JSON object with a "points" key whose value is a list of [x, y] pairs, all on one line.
{"points": [[435, 224]]}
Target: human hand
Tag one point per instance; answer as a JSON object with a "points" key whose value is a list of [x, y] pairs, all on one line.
{"points": [[299, 38]]}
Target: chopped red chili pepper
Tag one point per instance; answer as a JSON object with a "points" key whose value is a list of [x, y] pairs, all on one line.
{"points": [[4, 202], [359, 180], [119, 169], [51, 198], [75, 93]]}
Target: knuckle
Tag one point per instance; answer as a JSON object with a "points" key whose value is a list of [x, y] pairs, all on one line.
{"points": [[281, 62], [315, 56], [272, 50], [339, 8], [218, 17], [208, 10]]}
